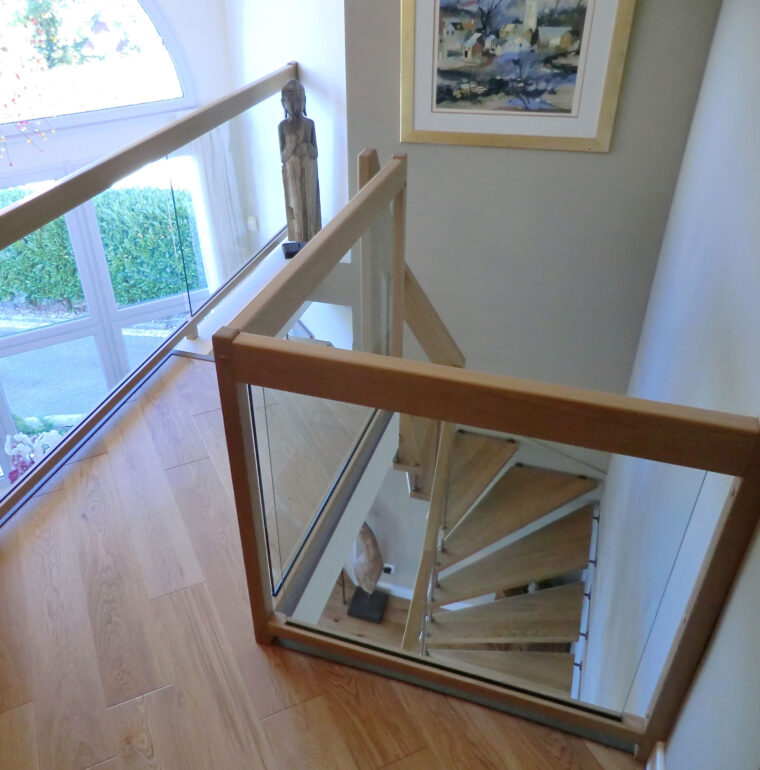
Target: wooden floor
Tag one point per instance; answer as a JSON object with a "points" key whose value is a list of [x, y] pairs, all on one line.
{"points": [[125, 632]]}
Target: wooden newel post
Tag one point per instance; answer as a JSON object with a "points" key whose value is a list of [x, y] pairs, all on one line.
{"points": [[238, 426]]}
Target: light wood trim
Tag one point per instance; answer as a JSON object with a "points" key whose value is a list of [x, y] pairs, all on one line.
{"points": [[610, 97], [710, 594], [586, 721], [698, 438], [368, 166], [271, 309], [427, 326], [416, 616], [238, 422], [397, 268], [31, 213]]}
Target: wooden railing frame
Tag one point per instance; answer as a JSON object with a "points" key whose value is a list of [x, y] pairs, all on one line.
{"points": [[713, 441]]}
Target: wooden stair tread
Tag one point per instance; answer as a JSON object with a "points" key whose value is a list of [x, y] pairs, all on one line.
{"points": [[475, 461], [557, 549], [520, 497], [551, 672], [551, 615]]}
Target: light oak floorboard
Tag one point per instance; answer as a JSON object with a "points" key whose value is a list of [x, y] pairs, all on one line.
{"points": [[371, 716], [164, 551], [15, 674], [18, 739], [221, 723], [170, 425], [117, 604], [306, 736], [196, 382], [149, 732], [72, 732], [456, 746], [422, 760]]}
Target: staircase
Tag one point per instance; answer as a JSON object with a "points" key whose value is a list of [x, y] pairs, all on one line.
{"points": [[501, 588]]}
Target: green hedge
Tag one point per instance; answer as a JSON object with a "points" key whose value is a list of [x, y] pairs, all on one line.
{"points": [[139, 233]]}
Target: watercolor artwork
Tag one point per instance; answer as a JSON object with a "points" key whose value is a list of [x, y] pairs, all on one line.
{"points": [[510, 55]]}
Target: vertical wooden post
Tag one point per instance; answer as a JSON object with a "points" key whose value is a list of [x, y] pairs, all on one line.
{"points": [[371, 273], [733, 534], [238, 427], [398, 273]]}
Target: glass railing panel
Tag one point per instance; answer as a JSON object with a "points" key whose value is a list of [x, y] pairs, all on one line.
{"points": [[237, 208], [46, 392], [39, 279], [86, 299], [557, 570], [147, 225], [304, 442], [141, 339]]}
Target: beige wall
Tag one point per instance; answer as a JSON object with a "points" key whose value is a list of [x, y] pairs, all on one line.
{"points": [[541, 262]]}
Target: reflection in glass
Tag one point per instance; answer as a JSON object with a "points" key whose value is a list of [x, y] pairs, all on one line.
{"points": [[149, 234], [39, 282], [141, 339], [48, 391], [557, 569]]}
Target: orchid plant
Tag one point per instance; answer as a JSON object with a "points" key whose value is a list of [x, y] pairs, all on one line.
{"points": [[26, 450]]}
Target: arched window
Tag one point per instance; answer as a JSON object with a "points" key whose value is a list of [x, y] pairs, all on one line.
{"points": [[62, 57]]}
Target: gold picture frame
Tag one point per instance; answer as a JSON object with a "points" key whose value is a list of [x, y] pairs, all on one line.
{"points": [[586, 127]]}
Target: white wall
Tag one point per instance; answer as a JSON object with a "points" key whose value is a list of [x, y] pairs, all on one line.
{"points": [[699, 347], [262, 38], [541, 263]]}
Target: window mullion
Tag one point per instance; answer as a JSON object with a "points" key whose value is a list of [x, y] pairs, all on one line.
{"points": [[96, 284]]}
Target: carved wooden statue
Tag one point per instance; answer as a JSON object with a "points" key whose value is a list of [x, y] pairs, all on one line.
{"points": [[298, 152]]}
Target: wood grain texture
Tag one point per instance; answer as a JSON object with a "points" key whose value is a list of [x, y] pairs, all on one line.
{"points": [[427, 326], [475, 461], [170, 425], [539, 671], [456, 746], [195, 381], [72, 731], [550, 615], [149, 732], [15, 671], [521, 496], [371, 717], [167, 560], [554, 550], [18, 739], [221, 719], [305, 736], [699, 438], [117, 604]]}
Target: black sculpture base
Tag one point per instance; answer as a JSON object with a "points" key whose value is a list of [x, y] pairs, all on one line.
{"points": [[366, 606], [291, 248]]}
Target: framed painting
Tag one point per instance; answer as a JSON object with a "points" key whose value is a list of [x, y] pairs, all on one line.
{"points": [[533, 74]]}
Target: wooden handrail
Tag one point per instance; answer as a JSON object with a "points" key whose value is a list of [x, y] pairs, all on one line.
{"points": [[29, 214], [698, 438], [275, 304]]}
